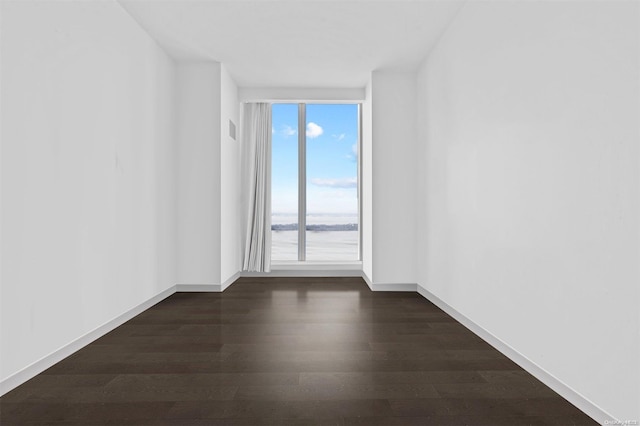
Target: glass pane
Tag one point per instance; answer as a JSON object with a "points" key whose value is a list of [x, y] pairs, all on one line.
{"points": [[332, 182], [284, 182]]}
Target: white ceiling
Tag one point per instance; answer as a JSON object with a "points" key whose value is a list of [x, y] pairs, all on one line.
{"points": [[302, 43]]}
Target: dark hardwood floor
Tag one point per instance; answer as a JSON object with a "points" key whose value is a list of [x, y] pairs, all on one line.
{"points": [[321, 351]]}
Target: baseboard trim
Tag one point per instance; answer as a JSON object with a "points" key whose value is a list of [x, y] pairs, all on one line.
{"points": [[232, 279], [387, 286], [577, 399], [393, 287], [199, 288], [208, 288], [58, 355], [367, 280]]}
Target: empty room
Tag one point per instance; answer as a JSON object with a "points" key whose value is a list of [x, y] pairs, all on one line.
{"points": [[319, 212]]}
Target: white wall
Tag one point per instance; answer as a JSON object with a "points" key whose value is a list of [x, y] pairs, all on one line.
{"points": [[208, 174], [230, 200], [302, 94], [394, 177], [198, 120], [528, 116], [88, 194]]}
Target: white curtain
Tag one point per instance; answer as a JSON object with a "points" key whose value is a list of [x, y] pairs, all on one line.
{"points": [[256, 186]]}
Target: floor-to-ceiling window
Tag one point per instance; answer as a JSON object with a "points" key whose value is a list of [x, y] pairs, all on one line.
{"points": [[315, 182]]}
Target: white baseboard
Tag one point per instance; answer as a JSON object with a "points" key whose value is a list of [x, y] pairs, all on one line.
{"points": [[229, 281], [208, 288], [393, 287], [387, 287], [584, 404], [199, 288], [367, 280], [58, 355]]}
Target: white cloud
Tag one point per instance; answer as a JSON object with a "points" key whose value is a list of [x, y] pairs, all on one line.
{"points": [[339, 137], [353, 155], [313, 130], [336, 183], [288, 130]]}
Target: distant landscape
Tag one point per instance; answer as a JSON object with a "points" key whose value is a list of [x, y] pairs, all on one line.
{"points": [[318, 228], [330, 237], [315, 218]]}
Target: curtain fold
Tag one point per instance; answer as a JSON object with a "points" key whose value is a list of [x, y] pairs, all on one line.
{"points": [[256, 186]]}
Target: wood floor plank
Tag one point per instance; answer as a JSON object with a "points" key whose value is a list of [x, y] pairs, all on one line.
{"points": [[289, 351]]}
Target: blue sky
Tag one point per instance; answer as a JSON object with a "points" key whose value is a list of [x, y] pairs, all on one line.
{"points": [[332, 137]]}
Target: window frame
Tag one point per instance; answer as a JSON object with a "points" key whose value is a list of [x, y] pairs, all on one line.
{"points": [[302, 179]]}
